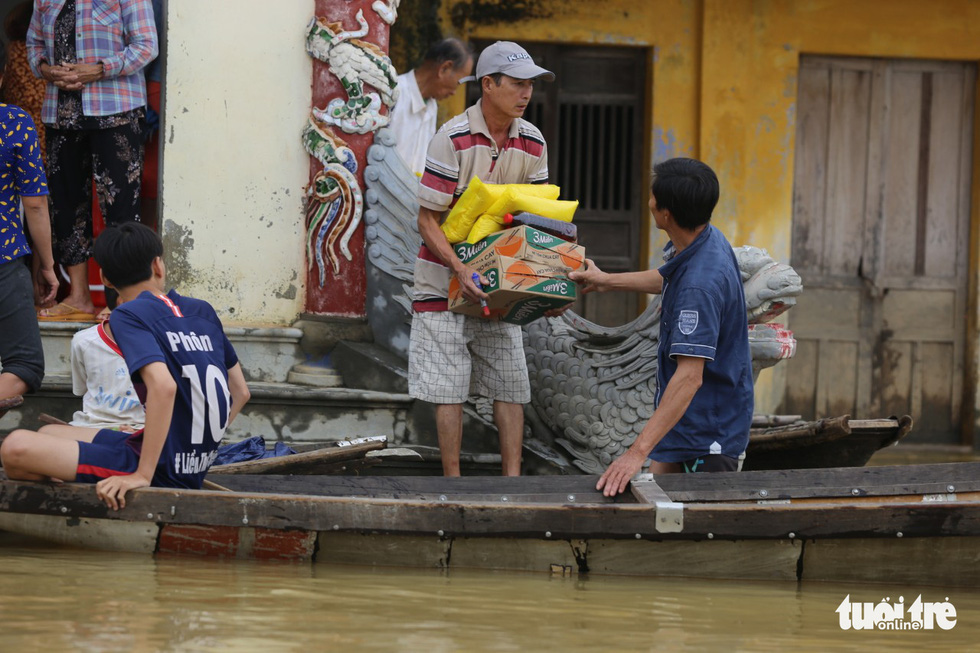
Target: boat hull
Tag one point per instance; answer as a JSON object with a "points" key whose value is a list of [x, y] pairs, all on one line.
{"points": [[946, 561], [916, 524]]}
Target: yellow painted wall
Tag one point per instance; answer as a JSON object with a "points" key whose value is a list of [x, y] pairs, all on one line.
{"points": [[724, 87], [748, 101]]}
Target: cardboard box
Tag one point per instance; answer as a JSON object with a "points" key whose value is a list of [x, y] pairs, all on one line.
{"points": [[524, 244], [520, 291]]}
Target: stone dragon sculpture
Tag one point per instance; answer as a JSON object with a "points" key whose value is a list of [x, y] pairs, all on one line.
{"points": [[392, 239], [592, 387]]}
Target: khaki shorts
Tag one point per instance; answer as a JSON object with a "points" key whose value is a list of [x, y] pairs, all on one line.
{"points": [[453, 356]]}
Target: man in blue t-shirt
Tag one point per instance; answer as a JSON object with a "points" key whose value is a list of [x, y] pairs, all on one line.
{"points": [[704, 394], [22, 181], [183, 367]]}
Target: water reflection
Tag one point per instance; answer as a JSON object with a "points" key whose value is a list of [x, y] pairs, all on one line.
{"points": [[58, 599], [915, 454]]}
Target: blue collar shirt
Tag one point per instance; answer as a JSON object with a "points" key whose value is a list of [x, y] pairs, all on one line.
{"points": [[704, 315]]}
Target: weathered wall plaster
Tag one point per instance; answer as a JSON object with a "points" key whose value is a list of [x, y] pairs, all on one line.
{"points": [[236, 98]]}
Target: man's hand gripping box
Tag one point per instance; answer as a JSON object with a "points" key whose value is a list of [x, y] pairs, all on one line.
{"points": [[526, 272]]}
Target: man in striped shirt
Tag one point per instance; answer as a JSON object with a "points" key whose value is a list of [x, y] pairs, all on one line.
{"points": [[451, 354]]}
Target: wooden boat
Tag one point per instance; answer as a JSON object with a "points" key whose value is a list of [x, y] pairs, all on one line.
{"points": [[789, 444], [915, 524], [835, 442], [775, 442]]}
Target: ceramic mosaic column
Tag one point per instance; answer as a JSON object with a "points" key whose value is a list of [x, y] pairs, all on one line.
{"points": [[353, 90]]}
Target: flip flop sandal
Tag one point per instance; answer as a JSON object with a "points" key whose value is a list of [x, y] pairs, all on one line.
{"points": [[62, 312]]}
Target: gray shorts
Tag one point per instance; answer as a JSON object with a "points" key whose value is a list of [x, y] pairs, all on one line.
{"points": [[453, 356], [21, 353]]}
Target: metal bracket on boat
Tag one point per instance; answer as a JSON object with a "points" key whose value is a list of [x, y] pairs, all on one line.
{"points": [[933, 498], [370, 438], [670, 514], [670, 517]]}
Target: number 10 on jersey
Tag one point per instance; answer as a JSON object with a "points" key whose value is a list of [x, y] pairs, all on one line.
{"points": [[205, 403]]}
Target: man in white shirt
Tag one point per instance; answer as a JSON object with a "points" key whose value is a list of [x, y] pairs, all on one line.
{"points": [[413, 118]]}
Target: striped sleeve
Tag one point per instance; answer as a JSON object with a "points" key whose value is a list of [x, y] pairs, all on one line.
{"points": [[534, 144], [538, 171], [441, 174]]}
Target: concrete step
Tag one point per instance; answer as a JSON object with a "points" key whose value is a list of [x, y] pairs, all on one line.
{"points": [[371, 401], [280, 409], [368, 365], [267, 353], [294, 413], [277, 411]]}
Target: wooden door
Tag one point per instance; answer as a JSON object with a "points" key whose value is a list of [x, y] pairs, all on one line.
{"points": [[880, 233], [593, 119]]}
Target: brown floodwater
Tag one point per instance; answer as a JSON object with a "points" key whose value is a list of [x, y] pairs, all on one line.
{"points": [[55, 599], [913, 454]]}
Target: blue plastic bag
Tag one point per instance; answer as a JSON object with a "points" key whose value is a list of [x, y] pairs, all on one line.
{"points": [[250, 449]]}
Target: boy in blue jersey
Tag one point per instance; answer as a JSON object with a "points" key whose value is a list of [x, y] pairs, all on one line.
{"points": [[704, 389], [183, 367]]}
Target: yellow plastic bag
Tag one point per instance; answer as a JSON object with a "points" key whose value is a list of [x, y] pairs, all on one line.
{"points": [[514, 200], [474, 201], [478, 197], [485, 225]]}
